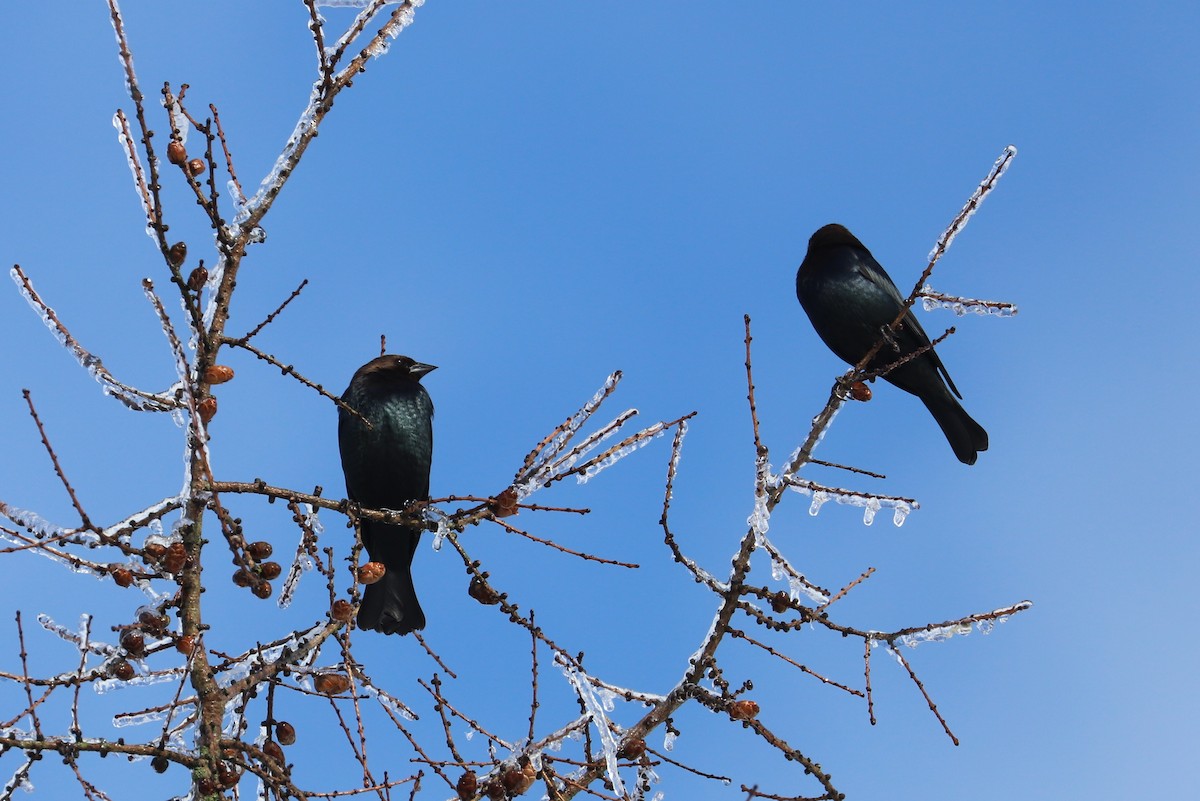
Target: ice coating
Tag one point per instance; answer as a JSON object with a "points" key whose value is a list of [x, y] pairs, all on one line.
{"points": [[653, 432], [134, 399], [870, 504], [597, 703], [135, 168], [972, 205], [932, 300]]}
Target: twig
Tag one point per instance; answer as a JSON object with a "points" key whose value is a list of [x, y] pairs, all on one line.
{"points": [[591, 558], [837, 466], [844, 590], [932, 706], [133, 398], [739, 634], [83, 517], [289, 370], [533, 695], [959, 305], [237, 185], [31, 710], [271, 317]]}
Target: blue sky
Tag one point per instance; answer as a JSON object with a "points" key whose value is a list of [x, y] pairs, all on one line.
{"points": [[532, 195]]}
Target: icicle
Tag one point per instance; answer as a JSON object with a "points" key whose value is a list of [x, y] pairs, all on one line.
{"points": [[998, 169], [935, 634], [127, 147], [178, 121], [597, 703], [653, 432]]}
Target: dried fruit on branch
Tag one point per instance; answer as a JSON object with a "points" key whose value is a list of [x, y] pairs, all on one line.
{"points": [[120, 669], [633, 749], [483, 592], [272, 749], [122, 576], [743, 710], [505, 504], [197, 279], [177, 153], [207, 409], [341, 610], [175, 557], [331, 683], [219, 374], [467, 785], [134, 643], [371, 572], [259, 550], [285, 732]]}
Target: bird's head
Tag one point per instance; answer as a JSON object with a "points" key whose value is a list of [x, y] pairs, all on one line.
{"points": [[393, 365], [833, 235]]}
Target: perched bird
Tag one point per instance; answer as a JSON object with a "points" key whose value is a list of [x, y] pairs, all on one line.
{"points": [[386, 467], [850, 300]]}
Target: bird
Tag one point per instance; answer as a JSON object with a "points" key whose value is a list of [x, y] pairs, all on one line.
{"points": [[850, 300], [387, 466]]}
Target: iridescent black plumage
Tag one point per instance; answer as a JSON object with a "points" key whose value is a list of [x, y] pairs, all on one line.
{"points": [[850, 299], [386, 467]]}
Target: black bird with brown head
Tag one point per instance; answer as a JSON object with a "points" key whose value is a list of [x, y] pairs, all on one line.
{"points": [[387, 466]]}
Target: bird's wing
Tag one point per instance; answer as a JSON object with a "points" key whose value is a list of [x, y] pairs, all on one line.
{"points": [[911, 334]]}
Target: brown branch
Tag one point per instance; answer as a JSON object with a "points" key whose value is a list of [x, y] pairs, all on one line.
{"points": [[289, 370], [550, 445], [228, 157], [867, 675], [271, 317], [30, 710], [739, 634], [837, 466], [844, 590], [154, 210], [932, 706], [135, 164], [589, 557], [83, 517], [868, 375]]}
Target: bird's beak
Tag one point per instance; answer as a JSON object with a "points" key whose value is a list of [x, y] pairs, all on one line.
{"points": [[419, 370]]}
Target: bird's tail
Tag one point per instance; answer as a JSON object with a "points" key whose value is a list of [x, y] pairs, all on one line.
{"points": [[390, 605], [965, 436]]}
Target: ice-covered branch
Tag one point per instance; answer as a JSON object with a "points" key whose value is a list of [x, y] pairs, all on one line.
{"points": [[548, 462], [932, 300], [937, 632], [869, 502], [964, 215], [545, 451], [320, 101], [121, 123], [597, 704], [133, 398]]}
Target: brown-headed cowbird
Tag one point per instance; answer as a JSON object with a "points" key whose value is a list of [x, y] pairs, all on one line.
{"points": [[850, 300], [386, 467]]}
